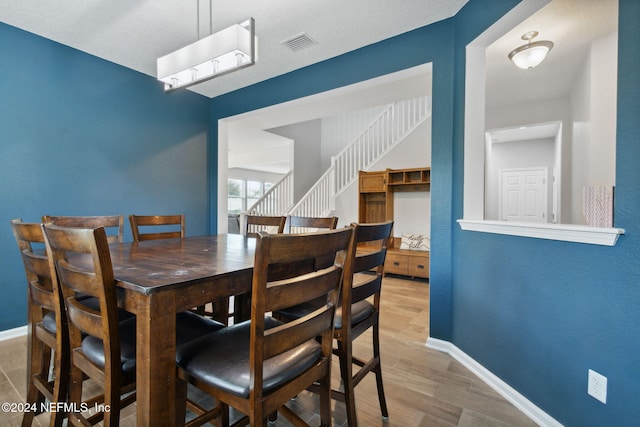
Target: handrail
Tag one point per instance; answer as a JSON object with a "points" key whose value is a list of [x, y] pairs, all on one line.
{"points": [[390, 127], [319, 200], [276, 200]]}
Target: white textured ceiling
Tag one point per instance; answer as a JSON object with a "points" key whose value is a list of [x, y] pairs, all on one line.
{"points": [[572, 25], [134, 33]]}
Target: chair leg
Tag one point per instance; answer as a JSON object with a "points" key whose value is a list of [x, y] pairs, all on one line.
{"points": [[39, 361], [32, 396], [181, 400], [378, 372], [346, 373], [75, 394], [60, 386], [223, 417], [325, 399], [112, 399]]}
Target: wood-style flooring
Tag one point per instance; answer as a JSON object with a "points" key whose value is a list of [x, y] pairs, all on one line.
{"points": [[424, 387]]}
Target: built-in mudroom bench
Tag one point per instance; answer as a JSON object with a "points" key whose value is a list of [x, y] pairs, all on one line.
{"points": [[408, 252]]}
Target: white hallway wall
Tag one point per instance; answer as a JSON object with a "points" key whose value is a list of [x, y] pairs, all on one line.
{"points": [[412, 210]]}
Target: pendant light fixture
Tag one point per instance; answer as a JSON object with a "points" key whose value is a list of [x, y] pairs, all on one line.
{"points": [[530, 55], [212, 56]]}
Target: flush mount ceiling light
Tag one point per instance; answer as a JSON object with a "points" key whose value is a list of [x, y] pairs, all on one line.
{"points": [[530, 55], [221, 53]]}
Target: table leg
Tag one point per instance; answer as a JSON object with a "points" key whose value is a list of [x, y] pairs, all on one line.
{"points": [[155, 360]]}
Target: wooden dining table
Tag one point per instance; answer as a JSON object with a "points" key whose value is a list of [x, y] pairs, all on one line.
{"points": [[157, 279]]}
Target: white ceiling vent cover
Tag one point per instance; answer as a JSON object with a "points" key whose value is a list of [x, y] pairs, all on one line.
{"points": [[299, 42]]}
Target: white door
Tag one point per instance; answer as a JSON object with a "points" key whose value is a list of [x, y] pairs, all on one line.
{"points": [[523, 194]]}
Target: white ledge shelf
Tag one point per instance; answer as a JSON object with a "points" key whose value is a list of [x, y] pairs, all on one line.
{"points": [[563, 232]]}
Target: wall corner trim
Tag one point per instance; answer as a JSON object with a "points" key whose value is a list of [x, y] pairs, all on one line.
{"points": [[505, 390]]}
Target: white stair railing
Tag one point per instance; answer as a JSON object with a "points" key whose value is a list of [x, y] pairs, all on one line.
{"points": [[277, 200], [388, 129], [319, 200]]}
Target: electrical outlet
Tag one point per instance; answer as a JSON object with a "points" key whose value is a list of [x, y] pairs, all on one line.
{"points": [[597, 386]]}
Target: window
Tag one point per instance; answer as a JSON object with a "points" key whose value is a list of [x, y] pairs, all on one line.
{"points": [[236, 201], [242, 194]]}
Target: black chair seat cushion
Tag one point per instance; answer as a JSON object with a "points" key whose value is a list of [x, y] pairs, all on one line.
{"points": [[359, 311], [189, 326], [93, 349], [49, 319], [221, 359], [49, 322]]}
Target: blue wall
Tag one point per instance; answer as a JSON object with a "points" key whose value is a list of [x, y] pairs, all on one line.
{"points": [[540, 313], [82, 136], [537, 313]]}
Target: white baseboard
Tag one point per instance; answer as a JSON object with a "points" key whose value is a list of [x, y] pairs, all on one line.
{"points": [[505, 390], [13, 333]]}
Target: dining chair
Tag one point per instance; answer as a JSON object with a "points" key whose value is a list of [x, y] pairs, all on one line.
{"points": [[253, 224], [172, 227], [303, 224], [101, 346], [114, 227], [111, 223], [47, 326], [362, 285], [258, 365], [164, 227]]}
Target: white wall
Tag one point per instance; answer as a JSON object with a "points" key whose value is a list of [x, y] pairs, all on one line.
{"points": [[306, 153], [593, 109], [412, 211], [340, 130], [258, 150]]}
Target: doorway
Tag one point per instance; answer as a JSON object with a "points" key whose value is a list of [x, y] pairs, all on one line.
{"points": [[523, 194], [518, 160]]}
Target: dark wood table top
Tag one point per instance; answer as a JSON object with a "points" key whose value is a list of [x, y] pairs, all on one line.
{"points": [[158, 278], [150, 266]]}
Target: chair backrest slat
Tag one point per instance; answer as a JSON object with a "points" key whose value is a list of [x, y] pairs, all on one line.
{"points": [[304, 224], [254, 224], [287, 293], [297, 332], [164, 227], [109, 222]]}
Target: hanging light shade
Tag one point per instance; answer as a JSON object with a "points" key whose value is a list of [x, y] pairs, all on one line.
{"points": [[530, 55], [220, 53]]}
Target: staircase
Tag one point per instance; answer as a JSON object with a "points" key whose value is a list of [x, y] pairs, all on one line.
{"points": [[277, 200], [389, 128]]}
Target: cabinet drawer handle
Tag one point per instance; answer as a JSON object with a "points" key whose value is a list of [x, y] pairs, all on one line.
{"points": [[421, 266], [396, 263]]}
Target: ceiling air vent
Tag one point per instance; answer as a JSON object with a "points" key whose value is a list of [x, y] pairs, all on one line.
{"points": [[299, 42]]}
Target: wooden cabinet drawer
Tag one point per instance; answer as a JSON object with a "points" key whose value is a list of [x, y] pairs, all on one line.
{"points": [[396, 264], [407, 263], [418, 266]]}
